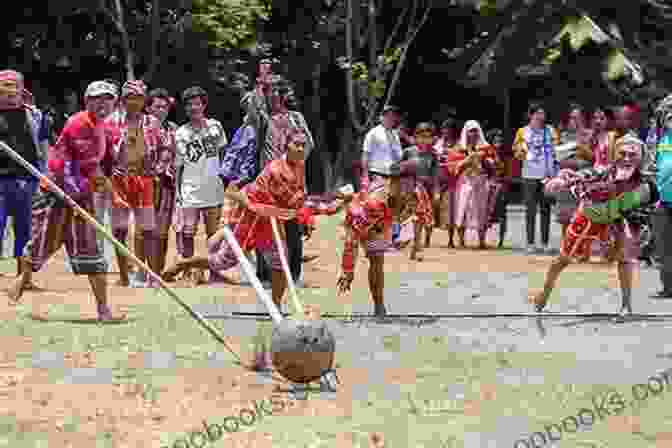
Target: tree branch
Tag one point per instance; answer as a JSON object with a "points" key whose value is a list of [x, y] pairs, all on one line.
{"points": [[396, 28], [125, 41], [352, 109], [404, 52], [411, 19], [156, 34], [110, 15]]}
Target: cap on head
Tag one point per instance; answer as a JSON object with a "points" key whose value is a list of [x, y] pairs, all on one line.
{"points": [[100, 88], [134, 88], [425, 127]]}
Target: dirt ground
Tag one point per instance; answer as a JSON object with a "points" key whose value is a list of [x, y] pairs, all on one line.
{"points": [[123, 415]]}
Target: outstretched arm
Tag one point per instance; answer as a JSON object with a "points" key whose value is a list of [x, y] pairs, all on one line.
{"points": [[348, 262]]}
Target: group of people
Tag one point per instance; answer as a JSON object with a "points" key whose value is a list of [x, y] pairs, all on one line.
{"points": [[120, 155], [451, 178], [596, 168]]}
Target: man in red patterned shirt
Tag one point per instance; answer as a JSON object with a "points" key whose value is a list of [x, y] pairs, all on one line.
{"points": [[75, 165]]}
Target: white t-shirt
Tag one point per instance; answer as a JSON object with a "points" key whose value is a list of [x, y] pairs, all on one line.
{"points": [[200, 153], [382, 148]]}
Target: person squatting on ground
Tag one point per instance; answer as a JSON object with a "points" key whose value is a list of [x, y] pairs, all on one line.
{"points": [[24, 129], [238, 169], [475, 170], [604, 198], [159, 104], [535, 146], [75, 165], [200, 191], [135, 163], [368, 224], [279, 191], [445, 211], [420, 187]]}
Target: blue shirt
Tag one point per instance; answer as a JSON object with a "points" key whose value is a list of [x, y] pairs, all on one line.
{"points": [[664, 167]]}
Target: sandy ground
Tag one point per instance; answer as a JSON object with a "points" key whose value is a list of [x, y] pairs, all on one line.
{"points": [[38, 407]]}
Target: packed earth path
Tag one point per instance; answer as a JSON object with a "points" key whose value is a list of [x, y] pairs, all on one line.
{"points": [[468, 382]]}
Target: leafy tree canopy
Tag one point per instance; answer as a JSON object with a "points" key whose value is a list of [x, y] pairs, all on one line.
{"points": [[229, 23]]}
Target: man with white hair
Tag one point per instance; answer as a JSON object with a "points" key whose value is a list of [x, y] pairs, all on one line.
{"points": [[75, 164]]}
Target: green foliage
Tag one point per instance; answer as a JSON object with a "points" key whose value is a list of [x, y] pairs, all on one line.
{"points": [[487, 8], [229, 23], [377, 88]]}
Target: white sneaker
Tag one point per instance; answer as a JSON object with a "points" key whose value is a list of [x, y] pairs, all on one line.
{"points": [[531, 249]]}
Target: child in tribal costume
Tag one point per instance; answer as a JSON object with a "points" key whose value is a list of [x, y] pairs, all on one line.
{"points": [[368, 224], [475, 170], [136, 157], [419, 186], [279, 191], [75, 165], [444, 149], [159, 104], [605, 197]]}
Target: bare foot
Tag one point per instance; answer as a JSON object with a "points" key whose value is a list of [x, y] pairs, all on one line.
{"points": [[30, 286], [415, 255], [171, 273], [15, 291], [112, 317], [539, 300], [198, 278]]}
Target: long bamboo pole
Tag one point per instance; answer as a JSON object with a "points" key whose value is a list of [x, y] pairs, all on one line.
{"points": [[119, 246]]}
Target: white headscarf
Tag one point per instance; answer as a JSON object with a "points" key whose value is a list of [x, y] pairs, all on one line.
{"points": [[469, 125]]}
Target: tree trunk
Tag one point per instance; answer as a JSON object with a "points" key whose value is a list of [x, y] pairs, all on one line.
{"points": [[129, 57], [413, 32], [156, 35]]}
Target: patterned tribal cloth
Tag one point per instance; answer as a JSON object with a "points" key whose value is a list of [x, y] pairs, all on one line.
{"points": [[154, 140], [598, 185], [368, 222], [277, 190]]}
